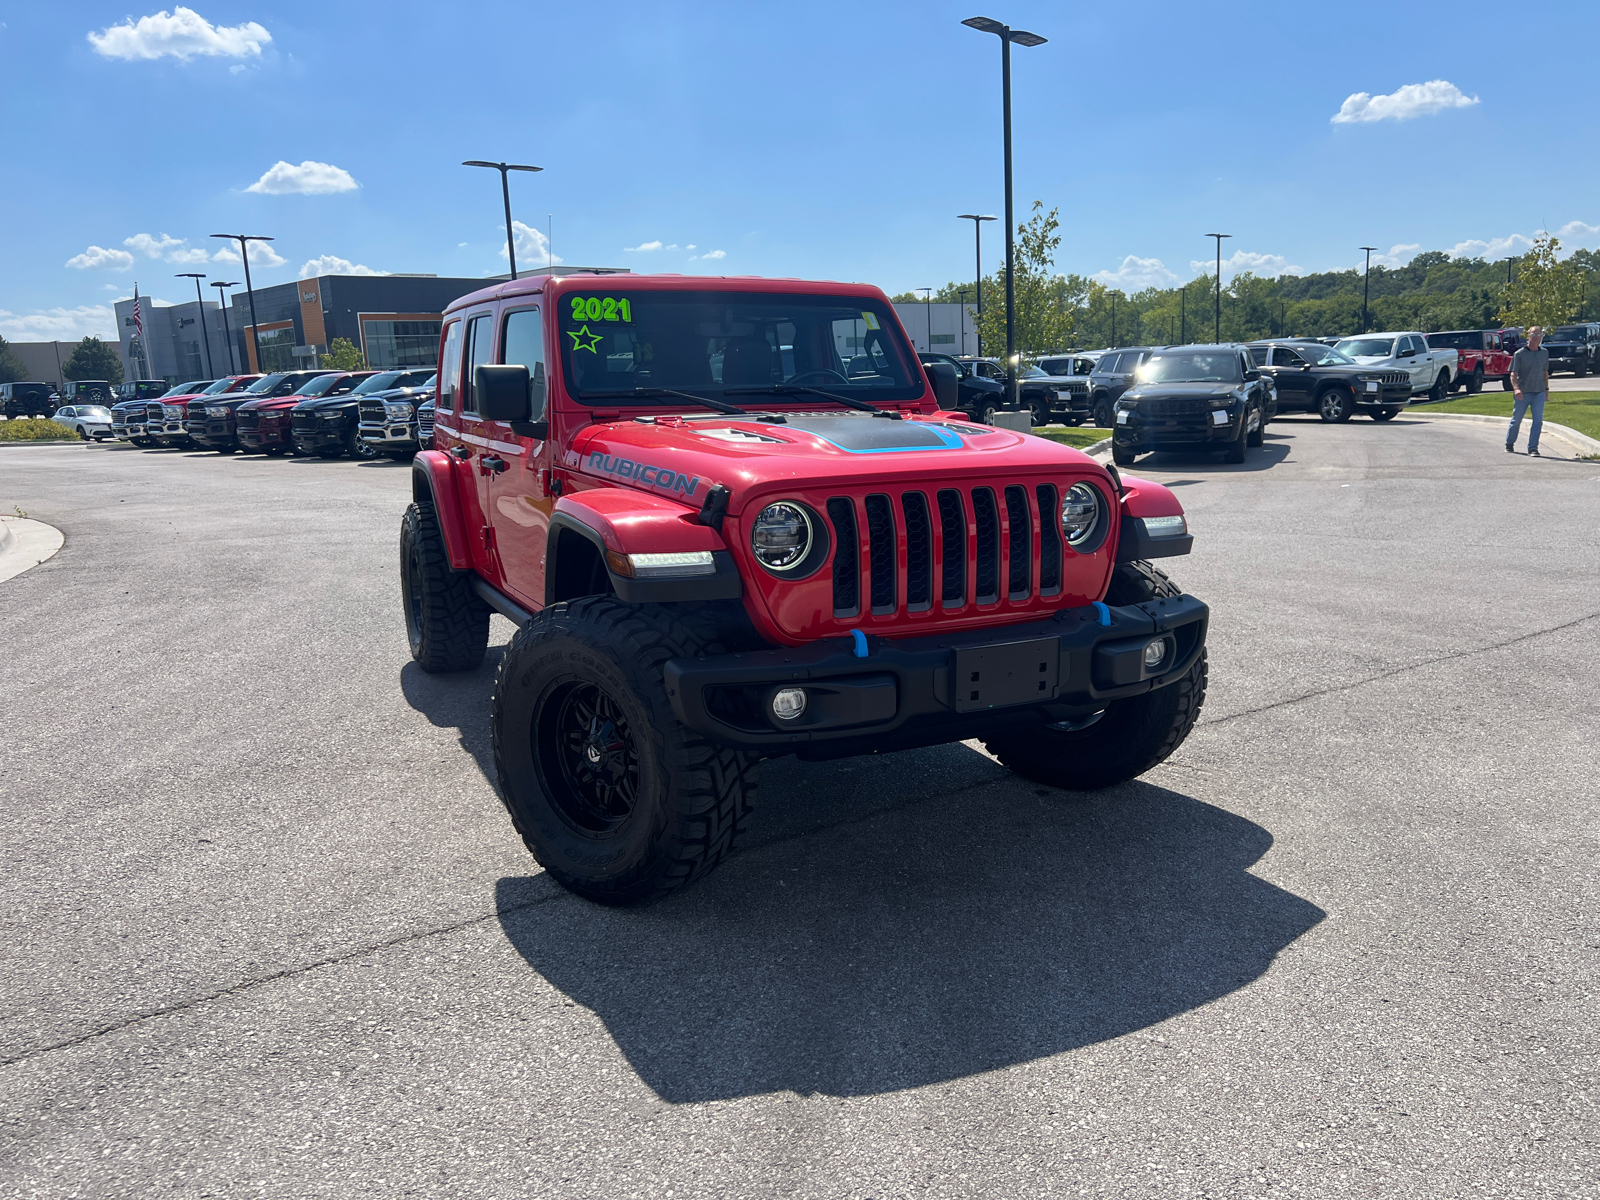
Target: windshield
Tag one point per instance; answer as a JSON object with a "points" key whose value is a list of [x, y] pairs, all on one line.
{"points": [[218, 387], [1321, 356], [1032, 373], [265, 384], [94, 410], [1367, 347], [1217, 366], [187, 389], [320, 386], [1569, 333], [378, 383], [707, 342]]}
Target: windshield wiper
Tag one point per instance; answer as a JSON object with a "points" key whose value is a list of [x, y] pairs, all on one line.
{"points": [[658, 393], [792, 389]]}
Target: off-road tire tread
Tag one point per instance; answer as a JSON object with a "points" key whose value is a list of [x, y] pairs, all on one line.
{"points": [[455, 622], [1033, 757], [717, 782]]}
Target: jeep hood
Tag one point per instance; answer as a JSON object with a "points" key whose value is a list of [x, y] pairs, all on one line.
{"points": [[686, 456], [1204, 391]]}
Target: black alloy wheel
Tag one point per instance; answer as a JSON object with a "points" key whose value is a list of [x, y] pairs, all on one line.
{"points": [[1102, 411], [1440, 388], [1475, 381], [590, 757]]}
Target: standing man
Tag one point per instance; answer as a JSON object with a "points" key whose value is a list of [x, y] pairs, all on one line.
{"points": [[1530, 383]]}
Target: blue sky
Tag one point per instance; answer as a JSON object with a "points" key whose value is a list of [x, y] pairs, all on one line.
{"points": [[824, 140]]}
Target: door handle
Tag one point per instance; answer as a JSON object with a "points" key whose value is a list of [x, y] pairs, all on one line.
{"points": [[460, 452], [491, 463]]}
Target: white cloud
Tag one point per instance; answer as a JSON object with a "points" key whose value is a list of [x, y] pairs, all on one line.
{"points": [[151, 247], [690, 246], [709, 254], [1269, 265], [99, 256], [1412, 100], [532, 245], [1398, 256], [183, 35], [1500, 247], [308, 179], [189, 256], [261, 255], [60, 324], [236, 69], [332, 264], [1135, 274], [643, 247], [1577, 229]]}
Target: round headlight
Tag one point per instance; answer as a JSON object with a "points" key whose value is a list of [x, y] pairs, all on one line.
{"points": [[1080, 513], [781, 536]]}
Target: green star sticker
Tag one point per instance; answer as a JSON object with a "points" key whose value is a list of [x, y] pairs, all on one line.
{"points": [[578, 335]]}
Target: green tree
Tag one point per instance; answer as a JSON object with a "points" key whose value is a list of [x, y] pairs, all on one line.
{"points": [[11, 368], [343, 356], [93, 359], [1047, 303], [1545, 291]]}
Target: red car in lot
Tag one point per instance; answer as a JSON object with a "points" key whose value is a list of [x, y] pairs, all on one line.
{"points": [[1481, 354], [266, 426]]}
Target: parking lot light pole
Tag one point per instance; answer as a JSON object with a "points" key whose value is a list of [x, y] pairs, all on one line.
{"points": [[1217, 334], [927, 308], [227, 330], [505, 194], [244, 240], [1183, 315], [1365, 276], [1022, 37], [199, 297], [977, 234]]}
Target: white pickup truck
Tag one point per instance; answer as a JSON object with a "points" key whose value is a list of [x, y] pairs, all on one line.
{"points": [[1431, 371]]}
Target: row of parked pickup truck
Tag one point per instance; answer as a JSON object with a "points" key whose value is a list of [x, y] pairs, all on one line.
{"points": [[330, 414]]}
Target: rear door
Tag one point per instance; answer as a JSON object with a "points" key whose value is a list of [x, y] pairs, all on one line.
{"points": [[1289, 372], [456, 429], [520, 505]]}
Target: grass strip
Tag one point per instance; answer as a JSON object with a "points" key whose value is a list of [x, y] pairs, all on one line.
{"points": [[1074, 437], [1575, 410]]}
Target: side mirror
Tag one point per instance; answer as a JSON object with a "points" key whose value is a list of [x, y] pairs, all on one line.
{"points": [[506, 393], [1252, 374], [944, 380]]}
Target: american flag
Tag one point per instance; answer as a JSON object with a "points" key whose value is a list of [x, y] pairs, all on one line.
{"points": [[138, 316]]}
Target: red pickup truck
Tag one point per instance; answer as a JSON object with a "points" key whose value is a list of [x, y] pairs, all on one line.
{"points": [[737, 519], [1481, 354]]}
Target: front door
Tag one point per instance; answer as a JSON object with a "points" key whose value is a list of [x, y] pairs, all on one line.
{"points": [[1415, 361], [459, 431], [520, 503], [1292, 375]]}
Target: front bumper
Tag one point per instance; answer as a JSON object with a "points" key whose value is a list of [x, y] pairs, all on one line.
{"points": [[213, 433], [1200, 429], [265, 437], [127, 432], [1388, 395], [1568, 362], [317, 439], [394, 436], [925, 691]]}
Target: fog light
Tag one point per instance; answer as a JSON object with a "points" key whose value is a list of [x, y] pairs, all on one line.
{"points": [[788, 703], [1154, 653]]}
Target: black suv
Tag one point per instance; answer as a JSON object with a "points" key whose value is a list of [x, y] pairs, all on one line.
{"points": [[1193, 397], [1574, 348], [1040, 394], [327, 422], [87, 391], [1311, 377], [26, 400], [1114, 374], [979, 396]]}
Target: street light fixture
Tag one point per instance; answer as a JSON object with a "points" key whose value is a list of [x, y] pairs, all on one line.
{"points": [[505, 194], [977, 235], [244, 240], [1217, 334], [199, 297], [927, 308], [1021, 37], [227, 330], [1365, 285]]}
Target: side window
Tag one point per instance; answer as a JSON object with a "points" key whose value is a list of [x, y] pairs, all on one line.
{"points": [[1108, 364], [480, 345], [449, 368], [1408, 347], [1282, 356], [1258, 355], [522, 344]]}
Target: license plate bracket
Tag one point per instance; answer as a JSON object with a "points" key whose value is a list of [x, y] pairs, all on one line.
{"points": [[998, 676]]}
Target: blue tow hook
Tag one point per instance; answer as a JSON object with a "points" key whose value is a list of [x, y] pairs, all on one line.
{"points": [[1105, 613], [860, 643]]}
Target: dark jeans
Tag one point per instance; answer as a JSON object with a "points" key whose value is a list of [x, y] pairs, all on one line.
{"points": [[1528, 400]]}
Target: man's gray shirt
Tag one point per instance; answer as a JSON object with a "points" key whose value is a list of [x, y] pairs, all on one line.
{"points": [[1528, 368]]}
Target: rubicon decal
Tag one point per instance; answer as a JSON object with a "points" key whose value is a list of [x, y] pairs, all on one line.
{"points": [[661, 477]]}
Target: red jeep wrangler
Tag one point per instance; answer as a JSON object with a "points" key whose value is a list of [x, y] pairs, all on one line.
{"points": [[735, 519], [1480, 354]]}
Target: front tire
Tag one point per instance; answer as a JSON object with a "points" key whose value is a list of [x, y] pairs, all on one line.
{"points": [[620, 802], [1130, 736], [1040, 412], [1102, 411], [1335, 404], [446, 624], [987, 416], [1236, 448], [1123, 458]]}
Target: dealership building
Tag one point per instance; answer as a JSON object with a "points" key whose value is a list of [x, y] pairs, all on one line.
{"points": [[393, 319], [941, 328]]}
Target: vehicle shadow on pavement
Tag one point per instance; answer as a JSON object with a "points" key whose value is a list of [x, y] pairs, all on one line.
{"points": [[982, 928], [1274, 449], [458, 701]]}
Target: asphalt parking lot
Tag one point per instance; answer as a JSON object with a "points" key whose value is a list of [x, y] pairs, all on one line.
{"points": [[267, 932]]}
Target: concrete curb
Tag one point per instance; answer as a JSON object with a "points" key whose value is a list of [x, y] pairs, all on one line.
{"points": [[1581, 441], [25, 544]]}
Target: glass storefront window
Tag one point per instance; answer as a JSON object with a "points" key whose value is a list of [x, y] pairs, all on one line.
{"points": [[392, 344], [276, 347]]}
